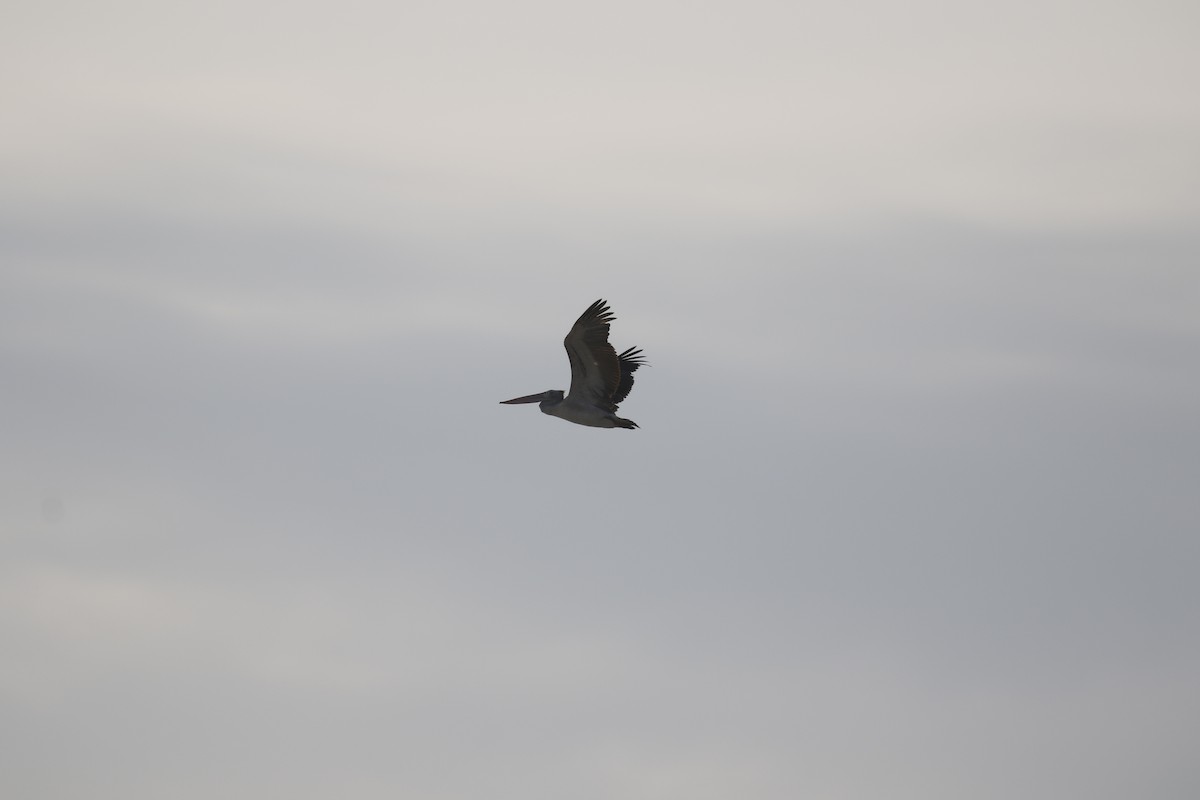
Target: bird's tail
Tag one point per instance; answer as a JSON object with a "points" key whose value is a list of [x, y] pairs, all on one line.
{"points": [[624, 423]]}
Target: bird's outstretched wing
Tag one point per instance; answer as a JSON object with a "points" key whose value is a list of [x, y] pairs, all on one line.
{"points": [[595, 367]]}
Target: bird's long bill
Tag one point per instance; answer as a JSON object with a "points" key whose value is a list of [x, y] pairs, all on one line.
{"points": [[530, 398]]}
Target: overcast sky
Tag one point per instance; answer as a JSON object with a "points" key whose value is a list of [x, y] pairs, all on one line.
{"points": [[913, 509]]}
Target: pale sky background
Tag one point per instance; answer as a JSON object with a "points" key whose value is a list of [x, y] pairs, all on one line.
{"points": [[913, 511]]}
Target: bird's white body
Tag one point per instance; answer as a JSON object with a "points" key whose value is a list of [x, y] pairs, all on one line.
{"points": [[584, 414]]}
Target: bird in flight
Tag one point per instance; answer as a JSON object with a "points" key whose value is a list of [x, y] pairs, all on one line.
{"points": [[600, 378]]}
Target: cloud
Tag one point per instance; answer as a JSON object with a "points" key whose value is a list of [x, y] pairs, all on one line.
{"points": [[911, 506]]}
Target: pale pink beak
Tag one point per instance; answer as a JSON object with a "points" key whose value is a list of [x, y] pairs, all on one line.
{"points": [[531, 398]]}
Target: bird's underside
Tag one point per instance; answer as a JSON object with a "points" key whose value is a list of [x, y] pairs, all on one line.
{"points": [[584, 414]]}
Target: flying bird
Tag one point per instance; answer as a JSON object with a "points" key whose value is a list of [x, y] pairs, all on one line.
{"points": [[600, 379]]}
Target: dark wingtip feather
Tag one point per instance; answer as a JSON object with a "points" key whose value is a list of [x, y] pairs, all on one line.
{"points": [[629, 361], [634, 358]]}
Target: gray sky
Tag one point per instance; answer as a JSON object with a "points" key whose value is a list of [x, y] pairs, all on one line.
{"points": [[913, 509]]}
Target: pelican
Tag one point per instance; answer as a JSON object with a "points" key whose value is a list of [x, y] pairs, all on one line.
{"points": [[600, 379]]}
